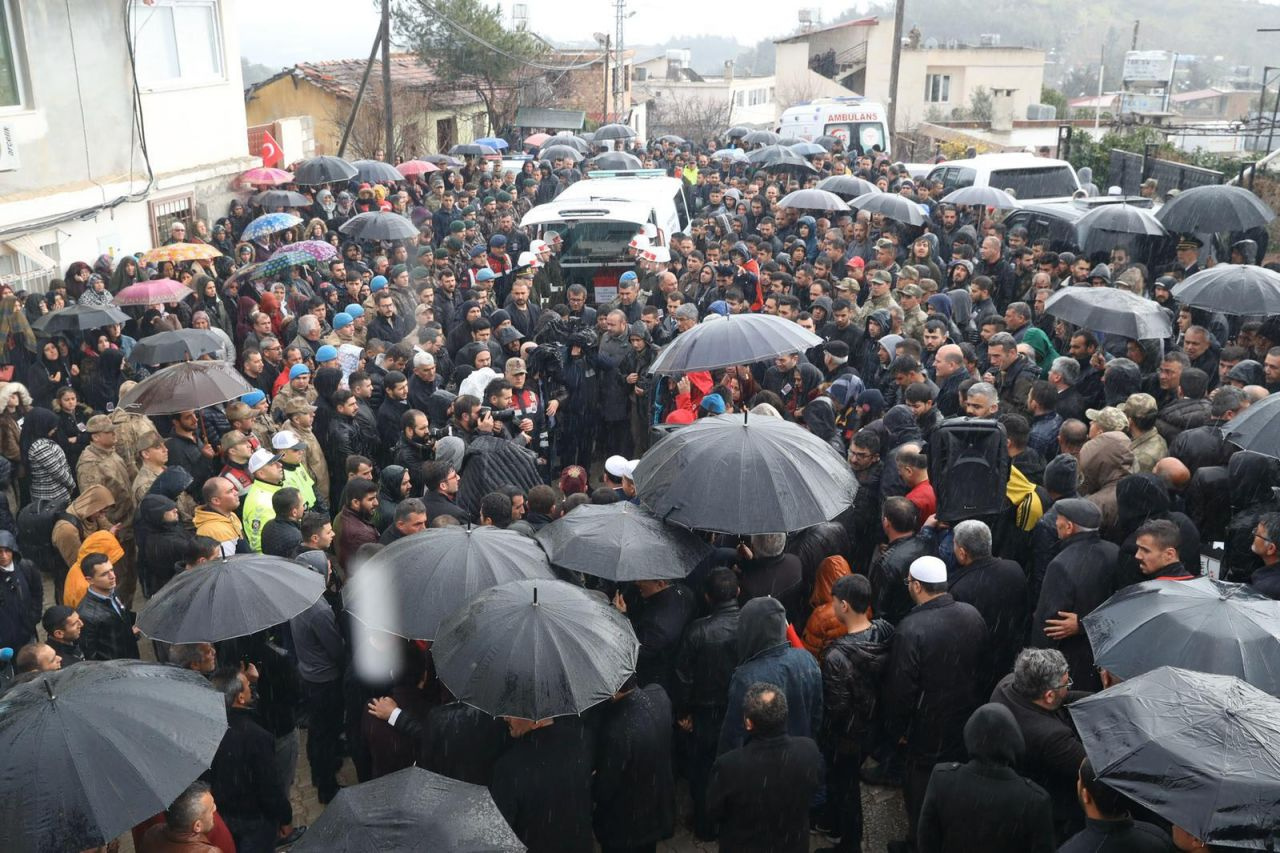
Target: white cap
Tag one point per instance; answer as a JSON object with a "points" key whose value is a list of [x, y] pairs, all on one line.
{"points": [[260, 459], [616, 466], [629, 469], [287, 440], [929, 570], [1115, 191]]}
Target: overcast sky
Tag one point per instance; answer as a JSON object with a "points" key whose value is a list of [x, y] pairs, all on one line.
{"points": [[343, 29]]}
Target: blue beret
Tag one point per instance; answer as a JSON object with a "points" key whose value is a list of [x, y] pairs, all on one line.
{"points": [[253, 398], [328, 352], [299, 370]]}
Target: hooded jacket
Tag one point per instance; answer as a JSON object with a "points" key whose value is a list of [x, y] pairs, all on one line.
{"points": [[1142, 498], [765, 655], [68, 533], [957, 817], [820, 419], [852, 670], [1252, 477], [99, 542], [161, 544], [823, 627], [1104, 461]]}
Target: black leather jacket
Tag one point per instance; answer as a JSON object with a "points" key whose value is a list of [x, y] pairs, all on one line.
{"points": [[706, 660], [106, 635]]}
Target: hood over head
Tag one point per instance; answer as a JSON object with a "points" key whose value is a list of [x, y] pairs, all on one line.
{"points": [[172, 482], [992, 735], [1140, 497], [762, 625], [829, 571], [153, 507], [93, 500], [390, 478], [1251, 476], [1104, 460]]}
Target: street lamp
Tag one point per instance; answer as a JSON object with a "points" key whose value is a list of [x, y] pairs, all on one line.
{"points": [[602, 39]]}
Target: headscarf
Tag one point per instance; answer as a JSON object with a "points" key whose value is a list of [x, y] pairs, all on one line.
{"points": [[1043, 347], [102, 390], [15, 330], [38, 424]]}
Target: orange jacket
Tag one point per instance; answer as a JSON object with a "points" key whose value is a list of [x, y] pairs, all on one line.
{"points": [[823, 627]]}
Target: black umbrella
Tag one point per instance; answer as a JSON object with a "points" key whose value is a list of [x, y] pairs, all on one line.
{"points": [[737, 132], [1240, 289], [891, 206], [88, 751], [737, 339], [741, 475], [1204, 624], [271, 199], [761, 137], [1202, 751], [176, 345], [1257, 428], [535, 649], [776, 155], [1111, 310], [410, 586], [379, 225], [376, 172], [1213, 209], [827, 142], [232, 597], [408, 811], [813, 199], [617, 160], [611, 132], [982, 197], [847, 186], [560, 151], [78, 318], [442, 160], [188, 386], [621, 542], [578, 143], [672, 138], [473, 149], [323, 170], [491, 463]]}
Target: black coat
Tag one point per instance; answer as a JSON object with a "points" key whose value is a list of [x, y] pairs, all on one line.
{"points": [[852, 671], [998, 589], [281, 538], [635, 796], [1053, 751], [107, 635], [706, 660], [542, 786], [890, 599], [21, 603], [1081, 577], [760, 794], [931, 686], [1180, 415], [659, 623], [388, 419], [458, 741], [779, 577], [243, 777], [437, 504], [1118, 836], [982, 807], [1201, 447]]}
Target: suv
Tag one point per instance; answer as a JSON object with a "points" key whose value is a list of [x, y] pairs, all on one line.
{"points": [[1057, 221], [1030, 178]]}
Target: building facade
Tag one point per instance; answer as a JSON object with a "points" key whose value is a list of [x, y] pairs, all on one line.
{"points": [[115, 120]]}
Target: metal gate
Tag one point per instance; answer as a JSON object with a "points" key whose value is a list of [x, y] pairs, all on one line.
{"points": [[1129, 170]]}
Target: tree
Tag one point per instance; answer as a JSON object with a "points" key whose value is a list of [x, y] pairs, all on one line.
{"points": [[980, 104], [410, 133], [465, 45], [689, 116], [1054, 98]]}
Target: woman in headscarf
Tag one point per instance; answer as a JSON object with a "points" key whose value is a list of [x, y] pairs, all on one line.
{"points": [[50, 372], [34, 307], [48, 476], [820, 419], [96, 294], [269, 304], [239, 217], [207, 300], [806, 231], [200, 320], [77, 278], [100, 390], [17, 340], [126, 273], [1043, 348]]}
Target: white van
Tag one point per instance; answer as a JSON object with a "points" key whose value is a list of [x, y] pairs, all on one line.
{"points": [[598, 216], [1031, 178], [858, 123]]}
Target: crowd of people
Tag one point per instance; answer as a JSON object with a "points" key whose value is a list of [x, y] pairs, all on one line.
{"points": [[883, 647]]}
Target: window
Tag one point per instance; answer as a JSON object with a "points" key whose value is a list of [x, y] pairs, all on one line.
{"points": [[168, 211], [937, 88], [176, 40], [757, 97], [11, 77], [22, 272], [740, 99]]}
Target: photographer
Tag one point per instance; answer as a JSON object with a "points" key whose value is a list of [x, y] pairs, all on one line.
{"points": [[508, 423], [470, 418]]}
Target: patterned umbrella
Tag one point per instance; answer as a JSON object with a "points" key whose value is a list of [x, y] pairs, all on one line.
{"points": [[416, 167], [153, 292], [731, 155], [318, 249], [278, 263], [269, 223], [179, 252], [266, 176]]}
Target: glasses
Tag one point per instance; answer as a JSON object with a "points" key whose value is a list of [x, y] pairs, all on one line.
{"points": [[1257, 535], [1066, 686]]}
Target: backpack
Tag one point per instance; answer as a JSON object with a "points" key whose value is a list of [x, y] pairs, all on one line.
{"points": [[969, 468], [35, 532]]}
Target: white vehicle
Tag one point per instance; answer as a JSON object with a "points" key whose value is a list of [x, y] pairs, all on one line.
{"points": [[859, 124], [597, 218], [1030, 178]]}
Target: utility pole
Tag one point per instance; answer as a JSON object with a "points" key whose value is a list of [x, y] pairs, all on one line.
{"points": [[604, 109], [619, 85], [898, 12], [389, 151], [1134, 45], [355, 103]]}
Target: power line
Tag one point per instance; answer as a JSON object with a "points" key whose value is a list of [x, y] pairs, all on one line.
{"points": [[431, 7]]}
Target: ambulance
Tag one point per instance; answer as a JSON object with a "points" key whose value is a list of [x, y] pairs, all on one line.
{"points": [[861, 125]]}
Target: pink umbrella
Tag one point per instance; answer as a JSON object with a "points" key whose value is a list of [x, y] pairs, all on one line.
{"points": [[416, 167], [536, 139], [266, 176], [153, 292]]}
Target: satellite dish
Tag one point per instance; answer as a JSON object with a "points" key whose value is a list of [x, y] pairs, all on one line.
{"points": [[930, 43]]}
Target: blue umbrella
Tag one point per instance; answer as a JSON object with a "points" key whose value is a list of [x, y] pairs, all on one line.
{"points": [[282, 261], [493, 142], [269, 223]]}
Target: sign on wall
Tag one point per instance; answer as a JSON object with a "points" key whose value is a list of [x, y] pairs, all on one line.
{"points": [[8, 148]]}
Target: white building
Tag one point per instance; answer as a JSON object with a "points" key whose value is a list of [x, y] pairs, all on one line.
{"points": [[111, 131], [934, 76], [679, 97]]}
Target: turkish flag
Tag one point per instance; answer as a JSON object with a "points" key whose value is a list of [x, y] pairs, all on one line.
{"points": [[271, 153]]}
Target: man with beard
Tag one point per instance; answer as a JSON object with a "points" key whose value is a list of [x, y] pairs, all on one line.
{"points": [[353, 526], [414, 447], [395, 403]]}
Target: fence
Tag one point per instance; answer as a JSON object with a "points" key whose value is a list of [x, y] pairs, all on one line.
{"points": [[1129, 170]]}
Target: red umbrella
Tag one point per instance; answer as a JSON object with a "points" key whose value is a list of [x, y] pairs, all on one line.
{"points": [[416, 167], [153, 292], [266, 176]]}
